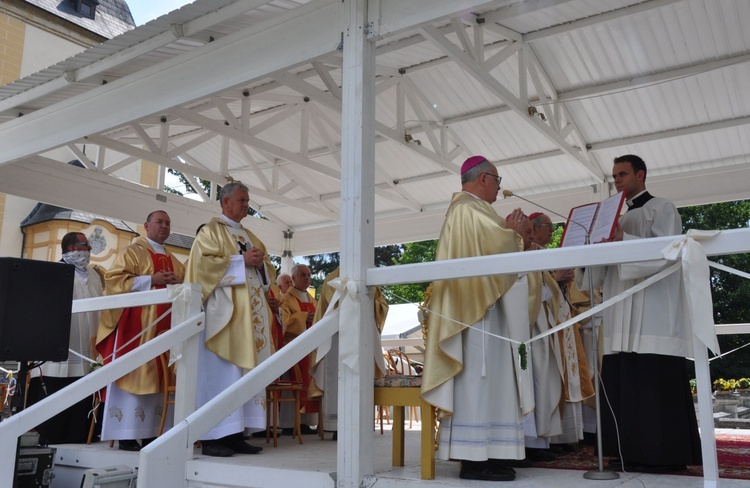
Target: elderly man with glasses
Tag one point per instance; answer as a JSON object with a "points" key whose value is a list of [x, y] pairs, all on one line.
{"points": [[469, 376]]}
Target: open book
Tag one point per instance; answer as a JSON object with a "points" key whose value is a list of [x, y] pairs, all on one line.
{"points": [[598, 219]]}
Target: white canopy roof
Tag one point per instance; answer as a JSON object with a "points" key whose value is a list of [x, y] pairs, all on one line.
{"points": [[550, 90], [402, 319]]}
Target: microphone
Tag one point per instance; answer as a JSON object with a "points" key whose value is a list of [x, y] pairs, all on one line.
{"points": [[508, 193]]}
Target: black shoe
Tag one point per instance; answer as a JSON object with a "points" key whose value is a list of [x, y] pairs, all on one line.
{"points": [[146, 442], [483, 470], [534, 455], [307, 430], [128, 445], [216, 449], [236, 442], [510, 463], [286, 431], [335, 435], [259, 434]]}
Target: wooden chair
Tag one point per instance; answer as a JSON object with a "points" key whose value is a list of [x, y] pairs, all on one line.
{"points": [[402, 366], [96, 399], [319, 400], [407, 396], [169, 380], [382, 411], [274, 400]]}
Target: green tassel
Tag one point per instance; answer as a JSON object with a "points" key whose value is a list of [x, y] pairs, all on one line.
{"points": [[522, 353]]}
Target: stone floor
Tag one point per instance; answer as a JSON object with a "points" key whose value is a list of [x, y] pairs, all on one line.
{"points": [[314, 464]]}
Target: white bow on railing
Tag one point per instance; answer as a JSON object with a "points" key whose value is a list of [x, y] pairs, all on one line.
{"points": [[181, 297], [347, 352], [696, 279]]}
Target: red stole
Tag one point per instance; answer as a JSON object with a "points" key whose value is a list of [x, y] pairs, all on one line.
{"points": [[304, 365], [277, 331], [130, 324]]}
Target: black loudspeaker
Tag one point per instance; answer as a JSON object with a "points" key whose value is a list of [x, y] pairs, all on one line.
{"points": [[36, 298]]}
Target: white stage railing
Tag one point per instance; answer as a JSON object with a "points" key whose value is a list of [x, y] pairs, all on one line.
{"points": [[188, 320], [163, 462], [639, 250]]}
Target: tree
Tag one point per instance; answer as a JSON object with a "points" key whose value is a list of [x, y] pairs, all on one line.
{"points": [[322, 264], [556, 237], [414, 252], [729, 291]]}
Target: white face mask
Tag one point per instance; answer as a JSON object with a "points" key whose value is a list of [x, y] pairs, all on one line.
{"points": [[79, 259]]}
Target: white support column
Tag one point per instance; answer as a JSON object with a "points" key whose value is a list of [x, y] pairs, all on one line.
{"points": [[187, 365], [706, 416], [287, 258], [357, 246]]}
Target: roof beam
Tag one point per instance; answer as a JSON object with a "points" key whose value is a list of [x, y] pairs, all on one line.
{"points": [[255, 142], [328, 100], [175, 32], [596, 19], [685, 131], [306, 207], [652, 79], [42, 179], [518, 106], [157, 158], [519, 9], [396, 15], [240, 57]]}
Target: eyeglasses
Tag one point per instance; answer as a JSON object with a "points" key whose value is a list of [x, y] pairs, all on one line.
{"points": [[497, 178], [81, 244]]}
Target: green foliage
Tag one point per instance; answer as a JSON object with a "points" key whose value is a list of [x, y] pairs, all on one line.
{"points": [[414, 252], [322, 264], [729, 291], [556, 237]]}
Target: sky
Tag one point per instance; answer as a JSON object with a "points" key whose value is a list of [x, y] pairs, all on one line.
{"points": [[146, 10]]}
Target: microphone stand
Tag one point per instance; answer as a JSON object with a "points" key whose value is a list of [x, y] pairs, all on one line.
{"points": [[601, 473]]}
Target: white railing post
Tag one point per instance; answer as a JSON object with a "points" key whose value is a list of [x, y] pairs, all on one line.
{"points": [[169, 470], [355, 408], [187, 363], [182, 331], [706, 415], [163, 462]]}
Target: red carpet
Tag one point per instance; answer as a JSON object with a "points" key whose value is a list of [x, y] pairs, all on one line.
{"points": [[733, 452]]}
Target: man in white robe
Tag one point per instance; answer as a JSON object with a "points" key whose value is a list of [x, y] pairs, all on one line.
{"points": [[234, 269], [72, 424], [645, 342], [469, 376]]}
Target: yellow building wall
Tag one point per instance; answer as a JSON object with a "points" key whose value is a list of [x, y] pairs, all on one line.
{"points": [[12, 33], [43, 241]]}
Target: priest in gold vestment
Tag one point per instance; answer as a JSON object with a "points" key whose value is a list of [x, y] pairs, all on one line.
{"points": [[134, 402], [577, 381], [469, 376], [234, 269]]}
